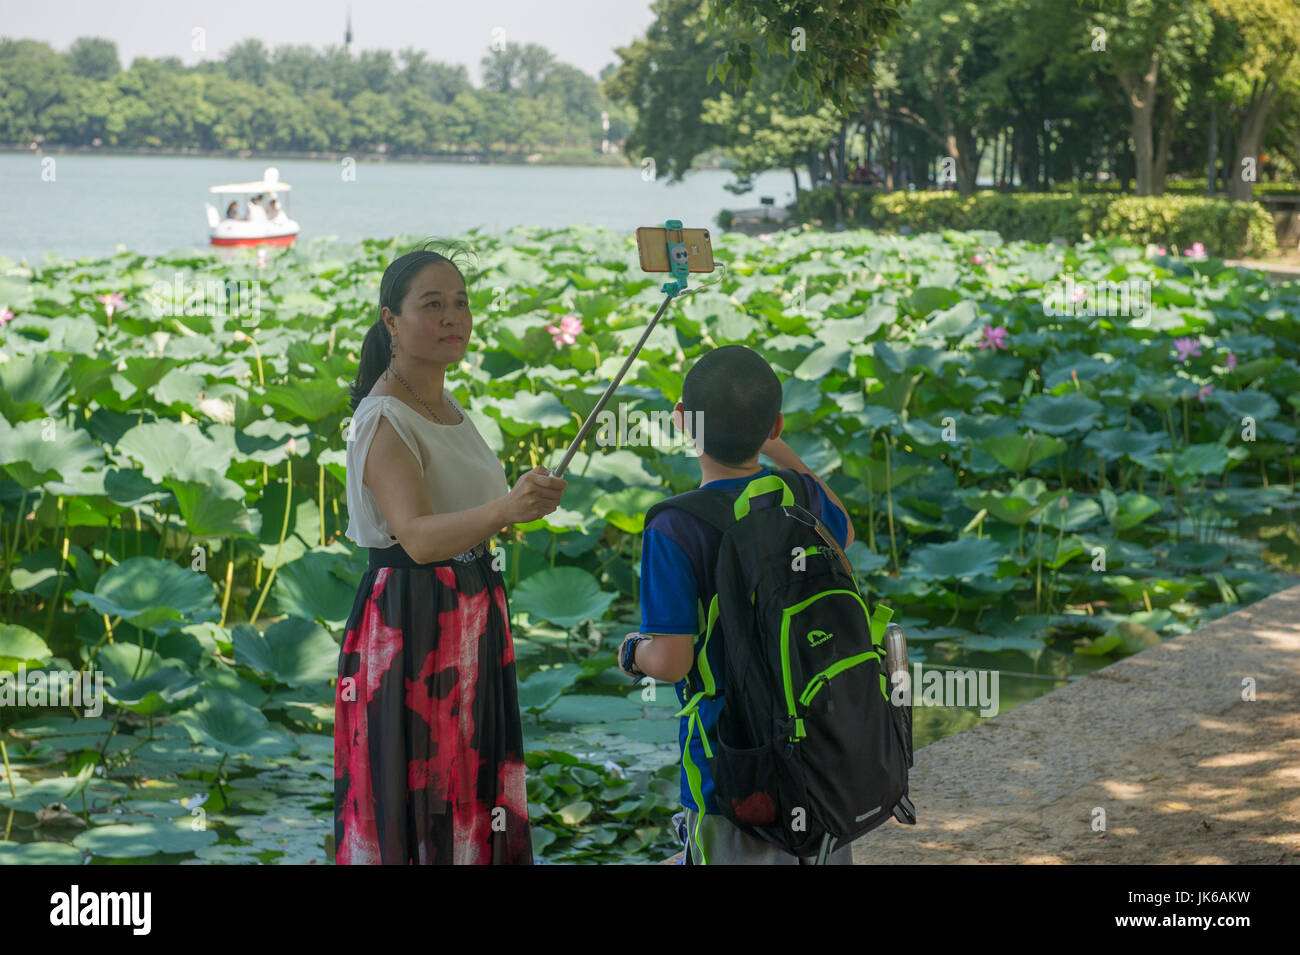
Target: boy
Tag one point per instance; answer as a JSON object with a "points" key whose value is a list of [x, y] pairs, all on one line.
{"points": [[738, 398]]}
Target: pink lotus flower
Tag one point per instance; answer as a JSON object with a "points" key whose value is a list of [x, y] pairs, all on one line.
{"points": [[112, 302], [995, 337], [977, 259], [1161, 250], [1187, 347], [290, 447], [6, 316], [1204, 391], [568, 331], [1080, 293], [1232, 361], [261, 257], [764, 237], [1197, 251]]}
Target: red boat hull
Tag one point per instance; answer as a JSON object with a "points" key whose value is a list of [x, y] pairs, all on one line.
{"points": [[269, 240]]}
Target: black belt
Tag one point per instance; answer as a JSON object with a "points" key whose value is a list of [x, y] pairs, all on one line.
{"points": [[396, 556]]}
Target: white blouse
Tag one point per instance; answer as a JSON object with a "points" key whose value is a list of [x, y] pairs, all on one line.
{"points": [[460, 470]]}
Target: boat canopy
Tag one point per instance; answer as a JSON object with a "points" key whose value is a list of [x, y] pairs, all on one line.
{"points": [[270, 182]]}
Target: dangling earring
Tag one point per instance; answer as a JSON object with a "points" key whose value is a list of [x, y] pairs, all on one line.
{"points": [[392, 357]]}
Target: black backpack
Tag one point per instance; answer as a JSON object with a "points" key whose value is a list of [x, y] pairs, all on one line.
{"points": [[811, 752]]}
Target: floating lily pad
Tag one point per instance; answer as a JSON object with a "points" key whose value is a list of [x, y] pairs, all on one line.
{"points": [[562, 595], [39, 853], [226, 723], [140, 839]]}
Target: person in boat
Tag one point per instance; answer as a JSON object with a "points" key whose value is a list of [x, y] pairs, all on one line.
{"points": [[232, 210], [256, 213], [274, 210]]}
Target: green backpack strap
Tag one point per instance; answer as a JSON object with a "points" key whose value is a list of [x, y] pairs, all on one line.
{"points": [[878, 621]]}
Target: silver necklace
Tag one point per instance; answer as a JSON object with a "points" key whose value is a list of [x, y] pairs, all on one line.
{"points": [[436, 417]]}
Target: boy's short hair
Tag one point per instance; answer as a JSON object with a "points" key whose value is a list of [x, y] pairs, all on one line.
{"points": [[738, 396]]}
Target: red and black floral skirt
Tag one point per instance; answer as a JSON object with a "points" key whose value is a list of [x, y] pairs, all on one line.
{"points": [[428, 746]]}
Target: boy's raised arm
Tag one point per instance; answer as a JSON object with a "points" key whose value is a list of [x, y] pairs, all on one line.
{"points": [[784, 456]]}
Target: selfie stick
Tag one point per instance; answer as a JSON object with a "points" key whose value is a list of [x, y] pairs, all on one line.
{"points": [[678, 266]]}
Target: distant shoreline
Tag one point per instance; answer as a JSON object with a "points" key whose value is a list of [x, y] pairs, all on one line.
{"points": [[611, 160]]}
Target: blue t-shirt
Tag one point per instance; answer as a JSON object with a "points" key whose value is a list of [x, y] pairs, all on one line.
{"points": [[678, 556]]}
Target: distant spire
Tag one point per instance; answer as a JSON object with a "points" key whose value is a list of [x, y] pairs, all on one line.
{"points": [[347, 35]]}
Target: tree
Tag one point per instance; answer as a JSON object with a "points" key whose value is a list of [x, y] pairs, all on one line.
{"points": [[832, 42], [663, 76], [944, 57], [1146, 39], [767, 127], [1267, 34], [93, 58], [516, 68], [248, 61]]}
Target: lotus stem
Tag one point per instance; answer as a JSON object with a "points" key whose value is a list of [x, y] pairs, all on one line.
{"points": [[1038, 583], [103, 747], [230, 573], [58, 584], [161, 553], [9, 776], [284, 530], [11, 550], [257, 353], [889, 503], [18, 527], [871, 503], [1056, 568], [320, 490]]}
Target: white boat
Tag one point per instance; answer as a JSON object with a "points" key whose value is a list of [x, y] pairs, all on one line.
{"points": [[264, 220]]}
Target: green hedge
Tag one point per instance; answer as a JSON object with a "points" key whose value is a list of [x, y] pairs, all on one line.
{"points": [[1183, 187], [819, 203], [1224, 228]]}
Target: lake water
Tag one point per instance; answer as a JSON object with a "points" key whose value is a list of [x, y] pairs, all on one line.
{"points": [[154, 204]]}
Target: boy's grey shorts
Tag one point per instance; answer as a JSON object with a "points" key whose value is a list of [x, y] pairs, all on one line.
{"points": [[726, 844]]}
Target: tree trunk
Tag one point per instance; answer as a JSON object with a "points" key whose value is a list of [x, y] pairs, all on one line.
{"points": [[1162, 149], [1253, 127], [837, 189], [1027, 156], [1140, 89], [959, 147], [1227, 159], [889, 157], [1211, 172]]}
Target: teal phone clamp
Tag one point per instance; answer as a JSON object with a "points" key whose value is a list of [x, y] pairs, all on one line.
{"points": [[678, 260]]}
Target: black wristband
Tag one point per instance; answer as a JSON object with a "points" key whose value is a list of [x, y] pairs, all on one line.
{"points": [[631, 654]]}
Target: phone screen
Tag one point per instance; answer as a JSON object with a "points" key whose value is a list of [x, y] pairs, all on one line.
{"points": [[652, 244]]}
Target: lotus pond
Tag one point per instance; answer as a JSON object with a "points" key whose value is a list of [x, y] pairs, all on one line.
{"points": [[1032, 492]]}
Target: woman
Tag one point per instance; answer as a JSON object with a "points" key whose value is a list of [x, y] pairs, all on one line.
{"points": [[428, 745]]}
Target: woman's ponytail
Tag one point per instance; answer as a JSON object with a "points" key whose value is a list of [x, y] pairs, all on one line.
{"points": [[376, 351]]}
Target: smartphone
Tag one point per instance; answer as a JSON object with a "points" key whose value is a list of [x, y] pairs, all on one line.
{"points": [[652, 244]]}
